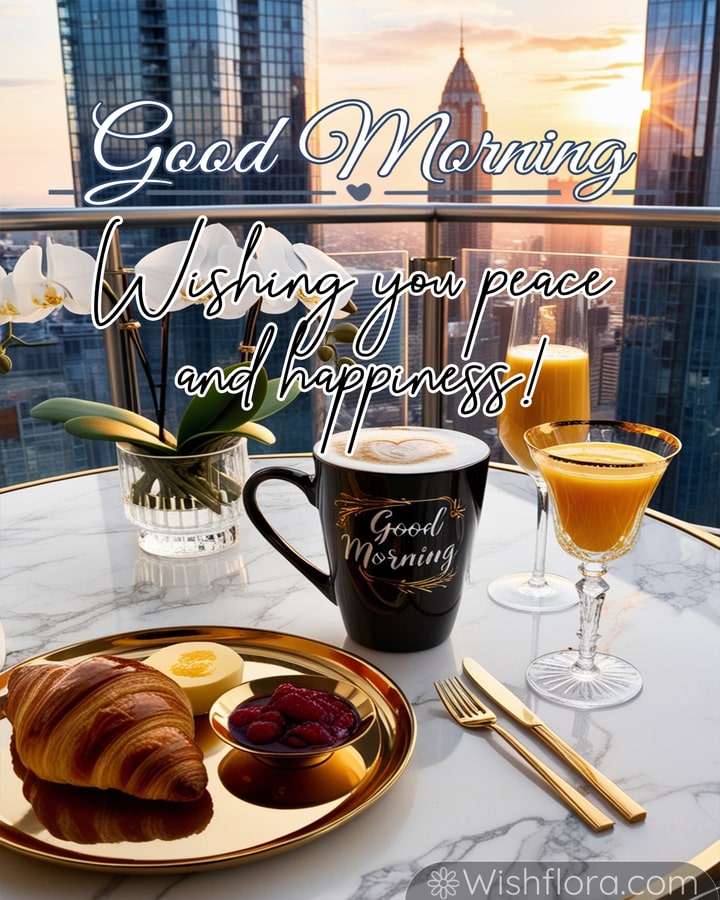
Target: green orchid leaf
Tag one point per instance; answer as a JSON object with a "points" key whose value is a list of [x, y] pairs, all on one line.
{"points": [[250, 429], [271, 404], [257, 432], [97, 428], [61, 409], [208, 442], [220, 412]]}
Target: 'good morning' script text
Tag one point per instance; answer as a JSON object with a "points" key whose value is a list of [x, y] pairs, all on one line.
{"points": [[597, 166]]}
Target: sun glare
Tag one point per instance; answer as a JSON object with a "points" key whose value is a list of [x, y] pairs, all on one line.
{"points": [[621, 102], [615, 94]]}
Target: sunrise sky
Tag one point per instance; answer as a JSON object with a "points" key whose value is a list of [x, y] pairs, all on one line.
{"points": [[571, 66]]}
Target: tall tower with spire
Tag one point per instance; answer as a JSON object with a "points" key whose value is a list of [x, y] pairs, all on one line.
{"points": [[461, 98]]}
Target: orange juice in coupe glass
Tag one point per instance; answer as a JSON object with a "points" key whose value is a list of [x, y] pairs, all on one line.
{"points": [[597, 503], [548, 346], [600, 485]]}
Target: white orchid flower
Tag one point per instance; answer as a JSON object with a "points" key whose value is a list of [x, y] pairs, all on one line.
{"points": [[272, 259], [317, 264], [8, 309], [278, 261], [274, 262], [160, 269], [37, 286]]}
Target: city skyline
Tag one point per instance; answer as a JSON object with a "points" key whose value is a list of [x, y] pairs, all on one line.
{"points": [[574, 68], [670, 361]]}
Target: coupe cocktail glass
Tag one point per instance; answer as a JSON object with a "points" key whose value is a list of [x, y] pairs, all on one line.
{"points": [[601, 476], [556, 329]]}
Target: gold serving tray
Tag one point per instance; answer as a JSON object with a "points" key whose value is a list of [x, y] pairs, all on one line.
{"points": [[251, 809]]}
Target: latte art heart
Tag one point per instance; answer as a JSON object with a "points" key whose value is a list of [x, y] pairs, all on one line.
{"points": [[404, 449], [411, 451]]}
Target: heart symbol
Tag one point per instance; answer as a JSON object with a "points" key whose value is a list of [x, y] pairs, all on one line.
{"points": [[359, 191], [411, 451]]}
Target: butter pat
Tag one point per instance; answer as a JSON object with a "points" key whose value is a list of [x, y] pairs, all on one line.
{"points": [[203, 669]]}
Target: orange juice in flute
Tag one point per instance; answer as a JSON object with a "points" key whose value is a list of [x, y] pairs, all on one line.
{"points": [[600, 483], [548, 346], [561, 392]]}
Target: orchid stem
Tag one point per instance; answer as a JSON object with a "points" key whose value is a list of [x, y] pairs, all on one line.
{"points": [[132, 327], [12, 338], [164, 356], [248, 341]]}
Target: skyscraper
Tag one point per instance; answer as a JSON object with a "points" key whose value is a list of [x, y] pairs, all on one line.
{"points": [[578, 248], [469, 242], [670, 364], [193, 75], [226, 70], [461, 98]]}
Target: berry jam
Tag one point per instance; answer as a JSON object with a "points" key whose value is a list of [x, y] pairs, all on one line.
{"points": [[294, 718]]}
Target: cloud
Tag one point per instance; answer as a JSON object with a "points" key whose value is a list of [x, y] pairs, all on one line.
{"points": [[411, 44], [577, 44], [553, 79], [588, 81], [625, 65], [17, 10], [598, 83], [415, 43], [23, 82], [380, 11]]}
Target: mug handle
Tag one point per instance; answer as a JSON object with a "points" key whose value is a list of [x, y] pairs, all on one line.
{"points": [[306, 483]]}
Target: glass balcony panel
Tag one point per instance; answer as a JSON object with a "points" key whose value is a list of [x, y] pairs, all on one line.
{"points": [[654, 347]]}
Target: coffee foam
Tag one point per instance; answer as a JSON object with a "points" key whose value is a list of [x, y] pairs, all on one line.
{"points": [[410, 449]]}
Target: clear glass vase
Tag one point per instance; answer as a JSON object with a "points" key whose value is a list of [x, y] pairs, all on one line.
{"points": [[184, 505]]}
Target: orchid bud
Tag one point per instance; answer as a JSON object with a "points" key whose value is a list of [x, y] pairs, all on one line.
{"points": [[345, 333]]}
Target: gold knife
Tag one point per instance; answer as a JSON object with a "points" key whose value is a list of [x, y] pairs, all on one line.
{"points": [[514, 707]]}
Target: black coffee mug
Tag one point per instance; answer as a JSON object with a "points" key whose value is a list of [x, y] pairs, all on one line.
{"points": [[398, 518]]}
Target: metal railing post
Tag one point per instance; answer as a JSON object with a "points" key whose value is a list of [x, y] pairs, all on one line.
{"points": [[435, 330], [121, 368]]}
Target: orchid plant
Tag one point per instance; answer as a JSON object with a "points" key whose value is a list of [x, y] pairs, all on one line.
{"points": [[59, 275], [202, 270], [44, 279]]}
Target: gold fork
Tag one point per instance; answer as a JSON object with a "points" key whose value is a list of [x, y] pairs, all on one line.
{"points": [[470, 712]]}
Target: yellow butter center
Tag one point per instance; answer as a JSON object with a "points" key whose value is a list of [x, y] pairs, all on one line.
{"points": [[195, 664]]}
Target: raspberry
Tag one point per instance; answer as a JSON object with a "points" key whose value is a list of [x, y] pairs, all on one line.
{"points": [[308, 734], [275, 716], [284, 688], [298, 717], [244, 715], [299, 705], [264, 731], [343, 714]]}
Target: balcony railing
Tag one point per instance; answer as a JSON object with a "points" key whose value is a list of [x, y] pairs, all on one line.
{"points": [[435, 347]]}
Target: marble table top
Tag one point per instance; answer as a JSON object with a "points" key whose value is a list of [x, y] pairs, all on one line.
{"points": [[71, 570]]}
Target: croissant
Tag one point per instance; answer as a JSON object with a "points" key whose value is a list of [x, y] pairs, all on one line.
{"points": [[106, 722]]}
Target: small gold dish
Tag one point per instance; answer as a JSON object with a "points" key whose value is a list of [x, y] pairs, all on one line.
{"points": [[288, 756]]}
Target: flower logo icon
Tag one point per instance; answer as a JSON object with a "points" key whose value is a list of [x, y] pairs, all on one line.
{"points": [[442, 883]]}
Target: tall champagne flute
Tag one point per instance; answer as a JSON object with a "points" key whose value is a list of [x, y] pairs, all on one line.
{"points": [[560, 390], [601, 476]]}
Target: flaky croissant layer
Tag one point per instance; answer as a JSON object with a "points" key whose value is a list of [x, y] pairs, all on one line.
{"points": [[106, 722]]}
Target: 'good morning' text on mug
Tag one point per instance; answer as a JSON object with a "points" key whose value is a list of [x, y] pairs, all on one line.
{"points": [[398, 518]]}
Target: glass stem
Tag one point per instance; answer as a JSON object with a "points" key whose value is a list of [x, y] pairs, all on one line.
{"points": [[537, 578], [591, 589]]}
